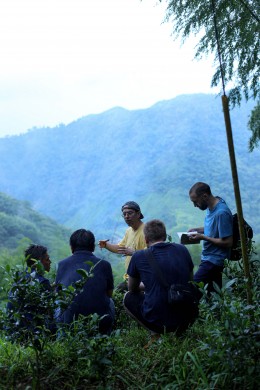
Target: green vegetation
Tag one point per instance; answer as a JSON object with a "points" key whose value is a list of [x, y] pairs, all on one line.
{"points": [[220, 351], [254, 126], [236, 39], [21, 225], [229, 30]]}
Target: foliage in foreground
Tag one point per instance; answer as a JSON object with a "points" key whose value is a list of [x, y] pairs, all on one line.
{"points": [[237, 24], [219, 352], [254, 126]]}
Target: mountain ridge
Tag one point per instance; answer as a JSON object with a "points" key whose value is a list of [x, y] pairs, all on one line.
{"points": [[81, 173]]}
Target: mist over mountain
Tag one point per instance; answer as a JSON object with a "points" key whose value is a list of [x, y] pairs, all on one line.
{"points": [[82, 173]]}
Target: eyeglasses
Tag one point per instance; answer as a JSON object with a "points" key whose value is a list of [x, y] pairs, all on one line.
{"points": [[129, 213]]}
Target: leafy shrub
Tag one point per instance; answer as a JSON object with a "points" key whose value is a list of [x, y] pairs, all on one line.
{"points": [[232, 339], [29, 326], [122, 320], [79, 358], [220, 351]]}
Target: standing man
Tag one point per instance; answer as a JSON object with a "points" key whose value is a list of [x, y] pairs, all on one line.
{"points": [[133, 239], [151, 308], [96, 296], [216, 234]]}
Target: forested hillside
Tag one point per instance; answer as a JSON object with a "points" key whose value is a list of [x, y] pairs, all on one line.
{"points": [[81, 174], [18, 221]]}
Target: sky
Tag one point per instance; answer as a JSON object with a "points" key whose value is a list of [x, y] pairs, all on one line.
{"points": [[65, 59]]}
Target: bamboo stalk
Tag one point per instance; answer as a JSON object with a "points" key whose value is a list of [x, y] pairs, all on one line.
{"points": [[232, 157]]}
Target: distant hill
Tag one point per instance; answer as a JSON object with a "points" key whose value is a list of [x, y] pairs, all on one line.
{"points": [[19, 221], [81, 174]]}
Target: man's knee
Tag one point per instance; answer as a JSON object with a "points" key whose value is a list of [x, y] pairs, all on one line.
{"points": [[126, 300], [133, 306], [133, 301]]}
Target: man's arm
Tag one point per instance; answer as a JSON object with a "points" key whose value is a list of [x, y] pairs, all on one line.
{"points": [[225, 242], [133, 284], [104, 244], [198, 229], [115, 248]]}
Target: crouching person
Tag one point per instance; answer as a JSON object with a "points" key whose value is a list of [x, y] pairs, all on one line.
{"points": [[30, 308], [170, 263], [96, 295]]}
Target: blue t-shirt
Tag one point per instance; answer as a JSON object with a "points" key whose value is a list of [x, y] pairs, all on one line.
{"points": [[218, 224], [176, 265], [94, 298]]}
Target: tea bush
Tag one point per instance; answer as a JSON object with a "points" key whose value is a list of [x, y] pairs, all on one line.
{"points": [[220, 351]]}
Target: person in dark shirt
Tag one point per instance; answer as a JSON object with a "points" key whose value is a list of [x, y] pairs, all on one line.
{"points": [[96, 296], [151, 309]]}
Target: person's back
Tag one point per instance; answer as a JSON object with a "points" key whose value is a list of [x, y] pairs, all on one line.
{"points": [[176, 266], [152, 309], [93, 298], [97, 291]]}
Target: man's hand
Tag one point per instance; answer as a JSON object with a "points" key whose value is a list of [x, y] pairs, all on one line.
{"points": [[196, 236], [102, 243], [125, 251]]}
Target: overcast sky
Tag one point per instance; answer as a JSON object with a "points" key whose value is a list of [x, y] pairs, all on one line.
{"points": [[64, 59]]}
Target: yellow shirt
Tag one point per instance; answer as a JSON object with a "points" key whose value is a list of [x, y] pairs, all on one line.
{"points": [[133, 239]]}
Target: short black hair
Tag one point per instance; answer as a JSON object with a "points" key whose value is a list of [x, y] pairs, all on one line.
{"points": [[34, 252], [155, 230], [200, 188], [82, 239]]}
